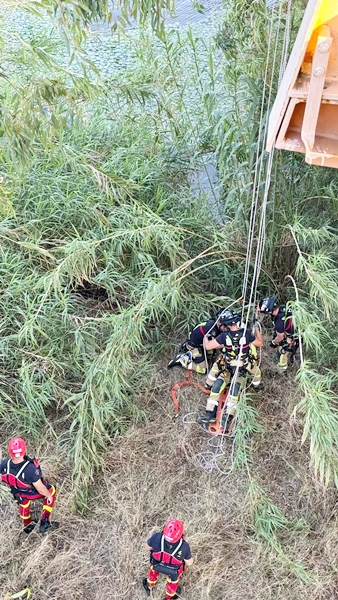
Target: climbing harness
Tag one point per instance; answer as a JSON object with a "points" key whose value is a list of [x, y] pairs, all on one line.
{"points": [[238, 301], [219, 451], [166, 562], [17, 482]]}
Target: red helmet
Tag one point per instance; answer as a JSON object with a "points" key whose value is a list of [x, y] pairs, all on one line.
{"points": [[17, 447], [173, 530]]}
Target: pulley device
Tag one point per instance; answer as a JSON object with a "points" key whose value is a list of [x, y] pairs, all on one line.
{"points": [[223, 424]]}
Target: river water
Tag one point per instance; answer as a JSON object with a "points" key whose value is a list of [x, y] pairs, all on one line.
{"points": [[185, 14], [204, 179]]}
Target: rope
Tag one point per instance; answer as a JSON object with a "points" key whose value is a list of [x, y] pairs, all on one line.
{"points": [[183, 384], [207, 460], [259, 163], [262, 236], [286, 43], [258, 170]]}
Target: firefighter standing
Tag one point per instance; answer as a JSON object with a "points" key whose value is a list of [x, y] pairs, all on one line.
{"points": [[169, 554], [193, 359], [23, 475], [238, 354], [284, 338]]}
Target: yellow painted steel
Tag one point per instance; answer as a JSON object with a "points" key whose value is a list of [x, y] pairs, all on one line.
{"points": [[328, 9], [304, 117]]}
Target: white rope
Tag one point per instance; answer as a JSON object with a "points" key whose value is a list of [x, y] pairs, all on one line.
{"points": [[261, 237], [254, 206], [258, 167], [258, 174], [286, 43], [207, 460], [186, 422]]}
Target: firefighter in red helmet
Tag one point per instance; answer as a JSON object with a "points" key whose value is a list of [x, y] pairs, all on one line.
{"points": [[23, 475], [169, 554]]}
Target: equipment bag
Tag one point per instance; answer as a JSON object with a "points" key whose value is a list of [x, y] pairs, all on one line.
{"points": [[166, 569]]}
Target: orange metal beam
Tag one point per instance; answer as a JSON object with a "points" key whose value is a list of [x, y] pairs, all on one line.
{"points": [[304, 117]]}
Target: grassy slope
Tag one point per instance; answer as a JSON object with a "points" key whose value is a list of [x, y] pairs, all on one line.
{"points": [[102, 556]]}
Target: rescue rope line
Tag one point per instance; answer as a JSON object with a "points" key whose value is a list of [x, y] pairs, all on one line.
{"points": [[258, 176], [257, 186], [208, 460], [258, 165], [286, 43]]}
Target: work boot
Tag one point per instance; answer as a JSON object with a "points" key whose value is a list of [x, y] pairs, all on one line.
{"points": [[208, 417], [30, 527], [46, 525], [185, 359], [283, 362], [176, 595], [146, 586], [175, 362]]}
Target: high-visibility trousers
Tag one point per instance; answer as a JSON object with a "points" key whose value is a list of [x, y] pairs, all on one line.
{"points": [[25, 505]]}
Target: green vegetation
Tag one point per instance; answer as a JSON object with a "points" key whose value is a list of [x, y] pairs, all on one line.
{"points": [[108, 256]]}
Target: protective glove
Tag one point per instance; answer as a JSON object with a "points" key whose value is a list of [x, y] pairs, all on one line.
{"points": [[212, 333], [256, 324]]}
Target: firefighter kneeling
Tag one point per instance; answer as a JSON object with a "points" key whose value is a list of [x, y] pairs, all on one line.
{"points": [[23, 475], [238, 353], [192, 356], [169, 554], [284, 338]]}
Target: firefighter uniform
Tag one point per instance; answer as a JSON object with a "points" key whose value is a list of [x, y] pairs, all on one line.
{"points": [[21, 478], [286, 350], [169, 554], [238, 354], [194, 356], [287, 342]]}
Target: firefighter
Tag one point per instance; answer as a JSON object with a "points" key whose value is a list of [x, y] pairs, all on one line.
{"points": [[284, 339], [169, 554], [193, 356], [23, 475], [239, 355]]}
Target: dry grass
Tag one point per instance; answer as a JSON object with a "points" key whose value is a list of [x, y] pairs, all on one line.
{"points": [[150, 474]]}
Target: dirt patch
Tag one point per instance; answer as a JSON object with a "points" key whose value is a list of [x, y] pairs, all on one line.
{"points": [[150, 475]]}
